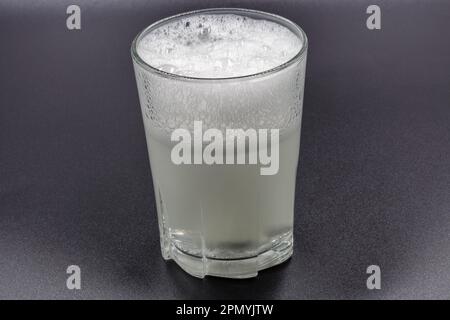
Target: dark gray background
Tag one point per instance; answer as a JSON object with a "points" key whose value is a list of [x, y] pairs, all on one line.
{"points": [[373, 181]]}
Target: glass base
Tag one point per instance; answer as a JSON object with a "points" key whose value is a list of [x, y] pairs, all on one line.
{"points": [[280, 251]]}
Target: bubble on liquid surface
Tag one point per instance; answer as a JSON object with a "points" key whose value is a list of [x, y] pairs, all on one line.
{"points": [[218, 46]]}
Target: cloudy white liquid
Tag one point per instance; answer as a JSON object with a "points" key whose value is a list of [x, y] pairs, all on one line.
{"points": [[221, 211]]}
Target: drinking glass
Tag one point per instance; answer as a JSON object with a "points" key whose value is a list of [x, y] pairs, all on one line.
{"points": [[222, 219]]}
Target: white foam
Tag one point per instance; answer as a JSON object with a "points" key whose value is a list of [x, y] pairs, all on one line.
{"points": [[218, 46]]}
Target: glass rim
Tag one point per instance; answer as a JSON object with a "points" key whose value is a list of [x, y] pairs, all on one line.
{"points": [[292, 26]]}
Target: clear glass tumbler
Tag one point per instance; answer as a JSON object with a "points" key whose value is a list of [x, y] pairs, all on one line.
{"points": [[221, 219]]}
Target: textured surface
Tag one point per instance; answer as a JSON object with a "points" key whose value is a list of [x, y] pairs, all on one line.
{"points": [[373, 181]]}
